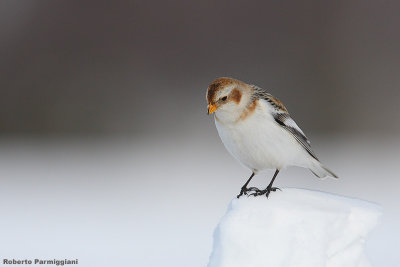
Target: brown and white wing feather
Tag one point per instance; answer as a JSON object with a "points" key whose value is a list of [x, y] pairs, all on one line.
{"points": [[282, 117], [286, 122]]}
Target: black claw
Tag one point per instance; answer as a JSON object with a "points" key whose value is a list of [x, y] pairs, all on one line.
{"points": [[267, 191], [254, 194], [274, 189], [257, 192], [245, 190], [242, 191], [253, 189]]}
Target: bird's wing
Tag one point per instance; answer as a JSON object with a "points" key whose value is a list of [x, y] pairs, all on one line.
{"points": [[282, 117], [284, 120]]}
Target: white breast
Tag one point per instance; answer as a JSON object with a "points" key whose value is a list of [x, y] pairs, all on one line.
{"points": [[259, 143]]}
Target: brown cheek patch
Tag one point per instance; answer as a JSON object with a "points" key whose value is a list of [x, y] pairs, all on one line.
{"points": [[249, 110], [236, 96]]}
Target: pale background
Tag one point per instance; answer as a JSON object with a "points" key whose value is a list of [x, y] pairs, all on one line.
{"points": [[106, 152]]}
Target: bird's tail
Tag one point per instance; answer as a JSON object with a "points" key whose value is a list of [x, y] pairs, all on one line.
{"points": [[320, 171]]}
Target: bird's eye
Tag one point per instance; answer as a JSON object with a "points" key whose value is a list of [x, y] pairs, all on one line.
{"points": [[224, 98]]}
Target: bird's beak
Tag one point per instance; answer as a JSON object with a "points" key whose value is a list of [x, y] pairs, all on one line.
{"points": [[211, 109]]}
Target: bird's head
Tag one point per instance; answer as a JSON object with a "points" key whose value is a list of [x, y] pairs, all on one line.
{"points": [[228, 98]]}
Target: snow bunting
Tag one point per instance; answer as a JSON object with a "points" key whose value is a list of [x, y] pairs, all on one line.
{"points": [[258, 131]]}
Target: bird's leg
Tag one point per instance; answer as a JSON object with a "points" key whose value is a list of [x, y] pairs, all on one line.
{"points": [[269, 188], [244, 188]]}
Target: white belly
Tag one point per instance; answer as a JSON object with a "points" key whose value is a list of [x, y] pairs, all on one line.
{"points": [[259, 143]]}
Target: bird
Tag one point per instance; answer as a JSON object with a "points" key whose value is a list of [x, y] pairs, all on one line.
{"points": [[257, 129]]}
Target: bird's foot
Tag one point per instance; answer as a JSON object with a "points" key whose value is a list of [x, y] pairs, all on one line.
{"points": [[245, 190], [266, 191]]}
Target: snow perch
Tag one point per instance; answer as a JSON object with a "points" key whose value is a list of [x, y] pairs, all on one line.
{"points": [[294, 227]]}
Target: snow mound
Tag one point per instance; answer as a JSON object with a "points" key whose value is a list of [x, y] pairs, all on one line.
{"points": [[294, 227]]}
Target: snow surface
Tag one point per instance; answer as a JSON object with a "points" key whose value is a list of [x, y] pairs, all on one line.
{"points": [[294, 227]]}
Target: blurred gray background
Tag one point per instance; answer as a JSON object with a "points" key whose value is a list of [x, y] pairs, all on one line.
{"points": [[134, 67], [107, 154]]}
